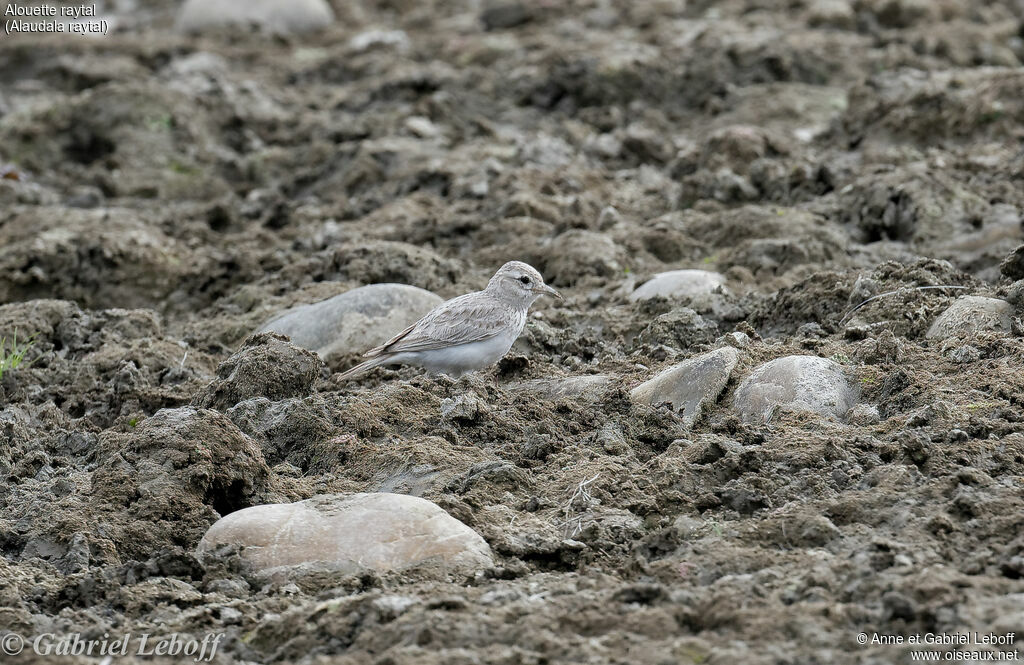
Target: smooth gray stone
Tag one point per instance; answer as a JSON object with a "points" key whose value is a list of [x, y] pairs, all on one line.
{"points": [[679, 284], [349, 534], [971, 314], [797, 382], [354, 321], [284, 17], [691, 386]]}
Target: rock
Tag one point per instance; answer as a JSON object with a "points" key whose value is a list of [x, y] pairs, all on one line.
{"points": [[679, 284], [690, 387], [797, 382], [271, 16], [422, 127], [972, 314], [356, 320], [350, 534], [266, 366], [364, 41], [586, 388]]}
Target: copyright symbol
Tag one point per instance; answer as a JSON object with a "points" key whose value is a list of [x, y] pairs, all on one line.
{"points": [[862, 638], [12, 644]]}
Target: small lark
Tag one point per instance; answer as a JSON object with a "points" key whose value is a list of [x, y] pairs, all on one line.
{"points": [[466, 333]]}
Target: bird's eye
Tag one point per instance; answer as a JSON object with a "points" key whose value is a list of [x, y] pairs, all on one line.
{"points": [[524, 279]]}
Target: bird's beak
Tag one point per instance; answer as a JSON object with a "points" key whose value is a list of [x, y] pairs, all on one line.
{"points": [[545, 289]]}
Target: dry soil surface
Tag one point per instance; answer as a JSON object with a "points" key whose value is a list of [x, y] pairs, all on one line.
{"points": [[164, 195]]}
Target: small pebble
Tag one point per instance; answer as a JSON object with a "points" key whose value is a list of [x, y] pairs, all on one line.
{"points": [[422, 127]]}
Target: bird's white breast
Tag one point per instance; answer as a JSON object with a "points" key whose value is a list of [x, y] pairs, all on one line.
{"points": [[461, 358]]}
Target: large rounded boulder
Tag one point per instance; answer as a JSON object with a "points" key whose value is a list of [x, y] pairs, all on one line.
{"points": [[350, 534], [802, 383], [354, 321]]}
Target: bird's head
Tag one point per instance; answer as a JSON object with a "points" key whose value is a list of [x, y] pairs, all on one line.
{"points": [[520, 282]]}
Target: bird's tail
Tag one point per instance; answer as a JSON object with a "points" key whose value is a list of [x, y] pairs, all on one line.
{"points": [[364, 366]]}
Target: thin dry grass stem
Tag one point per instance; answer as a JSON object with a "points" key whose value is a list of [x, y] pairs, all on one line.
{"points": [[577, 521], [892, 293]]}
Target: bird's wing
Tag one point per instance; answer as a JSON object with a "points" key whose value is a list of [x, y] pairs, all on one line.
{"points": [[469, 318]]}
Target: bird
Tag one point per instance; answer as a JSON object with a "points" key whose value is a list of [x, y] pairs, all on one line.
{"points": [[466, 333]]}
